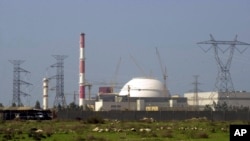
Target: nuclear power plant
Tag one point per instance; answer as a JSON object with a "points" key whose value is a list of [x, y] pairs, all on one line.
{"points": [[150, 94], [145, 93]]}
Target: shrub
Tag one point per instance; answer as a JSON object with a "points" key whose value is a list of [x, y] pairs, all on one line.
{"points": [[202, 135], [91, 138], [95, 120], [213, 130], [2, 121], [78, 118], [7, 137], [197, 135], [78, 138], [167, 135], [48, 134]]}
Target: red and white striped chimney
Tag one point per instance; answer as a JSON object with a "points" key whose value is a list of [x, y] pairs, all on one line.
{"points": [[82, 71]]}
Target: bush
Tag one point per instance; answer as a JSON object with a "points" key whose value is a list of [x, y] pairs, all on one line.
{"points": [[168, 135], [197, 135], [95, 120], [79, 139], [213, 130], [93, 138], [202, 135]]}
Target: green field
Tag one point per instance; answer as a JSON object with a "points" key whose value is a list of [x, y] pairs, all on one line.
{"points": [[97, 129]]}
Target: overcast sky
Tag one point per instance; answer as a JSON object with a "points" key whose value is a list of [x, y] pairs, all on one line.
{"points": [[35, 30]]}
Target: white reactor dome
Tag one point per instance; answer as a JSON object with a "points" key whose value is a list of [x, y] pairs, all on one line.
{"points": [[143, 87]]}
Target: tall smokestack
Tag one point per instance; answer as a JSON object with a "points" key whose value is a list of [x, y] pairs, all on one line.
{"points": [[82, 71], [45, 93]]}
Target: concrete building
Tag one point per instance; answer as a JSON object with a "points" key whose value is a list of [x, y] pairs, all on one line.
{"points": [[143, 87], [237, 98], [112, 102], [140, 94]]}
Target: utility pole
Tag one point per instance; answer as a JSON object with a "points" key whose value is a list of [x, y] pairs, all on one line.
{"points": [[75, 94]]}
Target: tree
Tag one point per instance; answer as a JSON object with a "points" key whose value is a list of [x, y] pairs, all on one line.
{"points": [[1, 105], [14, 105], [221, 106], [224, 106], [58, 107], [37, 106], [72, 105], [207, 108]]}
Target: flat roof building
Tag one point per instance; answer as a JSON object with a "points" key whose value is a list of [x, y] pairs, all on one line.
{"points": [[235, 99]]}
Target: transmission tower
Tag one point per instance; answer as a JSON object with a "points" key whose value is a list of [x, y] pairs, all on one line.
{"points": [[196, 90], [17, 82], [60, 98], [224, 82]]}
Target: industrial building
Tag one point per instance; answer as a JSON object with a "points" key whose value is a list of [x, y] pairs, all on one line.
{"points": [[201, 99], [140, 94]]}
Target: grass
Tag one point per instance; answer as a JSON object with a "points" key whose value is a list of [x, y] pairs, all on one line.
{"points": [[56, 130]]}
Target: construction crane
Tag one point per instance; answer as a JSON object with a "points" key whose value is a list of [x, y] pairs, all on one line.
{"points": [[138, 66], [114, 80], [164, 72]]}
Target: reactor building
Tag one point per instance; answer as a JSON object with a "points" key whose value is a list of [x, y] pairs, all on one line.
{"points": [[139, 94]]}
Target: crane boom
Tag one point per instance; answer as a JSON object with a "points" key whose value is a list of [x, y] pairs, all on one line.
{"points": [[138, 66], [114, 81], [163, 71]]}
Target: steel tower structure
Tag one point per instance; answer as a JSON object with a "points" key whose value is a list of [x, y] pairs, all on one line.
{"points": [[196, 91], [224, 81], [60, 98], [17, 82]]}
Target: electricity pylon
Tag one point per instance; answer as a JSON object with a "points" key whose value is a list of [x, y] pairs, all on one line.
{"points": [[60, 98], [17, 82], [224, 83]]}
